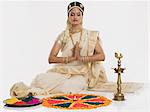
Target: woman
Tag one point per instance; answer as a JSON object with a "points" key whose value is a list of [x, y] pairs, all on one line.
{"points": [[79, 67]]}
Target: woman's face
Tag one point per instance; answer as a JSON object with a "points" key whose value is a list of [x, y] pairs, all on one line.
{"points": [[75, 16]]}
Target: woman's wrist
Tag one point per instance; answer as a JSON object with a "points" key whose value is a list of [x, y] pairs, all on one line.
{"points": [[68, 59], [84, 59], [72, 59]]}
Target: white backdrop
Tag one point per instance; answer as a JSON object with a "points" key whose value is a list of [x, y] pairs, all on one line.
{"points": [[29, 30]]}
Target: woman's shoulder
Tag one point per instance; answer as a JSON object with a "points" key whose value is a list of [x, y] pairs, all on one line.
{"points": [[60, 36], [62, 32], [90, 30]]}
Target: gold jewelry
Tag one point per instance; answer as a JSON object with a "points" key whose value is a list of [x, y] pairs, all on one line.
{"points": [[83, 59], [79, 40], [66, 60], [75, 31]]}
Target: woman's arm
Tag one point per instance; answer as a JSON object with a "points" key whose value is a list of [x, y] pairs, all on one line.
{"points": [[53, 55], [98, 54]]}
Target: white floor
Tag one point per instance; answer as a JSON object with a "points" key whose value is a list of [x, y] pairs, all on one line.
{"points": [[135, 102]]}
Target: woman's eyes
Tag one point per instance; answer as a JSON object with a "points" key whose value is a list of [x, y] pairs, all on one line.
{"points": [[78, 14], [72, 14]]}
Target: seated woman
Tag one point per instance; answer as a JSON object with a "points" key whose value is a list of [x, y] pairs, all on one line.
{"points": [[79, 67]]}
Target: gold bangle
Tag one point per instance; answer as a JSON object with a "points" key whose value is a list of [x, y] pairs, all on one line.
{"points": [[66, 60], [87, 59], [83, 58]]}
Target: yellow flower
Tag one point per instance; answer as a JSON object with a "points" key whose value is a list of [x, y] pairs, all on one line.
{"points": [[11, 100]]}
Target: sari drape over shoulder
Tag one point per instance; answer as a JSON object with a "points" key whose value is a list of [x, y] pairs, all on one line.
{"points": [[72, 77], [92, 71]]}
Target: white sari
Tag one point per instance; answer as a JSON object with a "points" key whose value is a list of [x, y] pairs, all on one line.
{"points": [[75, 76]]}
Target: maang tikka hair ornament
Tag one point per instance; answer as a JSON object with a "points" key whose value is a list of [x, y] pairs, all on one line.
{"points": [[75, 4]]}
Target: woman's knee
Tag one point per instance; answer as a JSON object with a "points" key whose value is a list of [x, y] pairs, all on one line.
{"points": [[19, 90], [74, 85]]}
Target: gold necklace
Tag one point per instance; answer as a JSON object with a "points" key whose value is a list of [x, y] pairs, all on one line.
{"points": [[72, 38]]}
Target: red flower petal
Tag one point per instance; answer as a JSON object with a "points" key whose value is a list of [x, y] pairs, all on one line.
{"points": [[80, 105], [51, 101], [20, 103], [72, 96]]}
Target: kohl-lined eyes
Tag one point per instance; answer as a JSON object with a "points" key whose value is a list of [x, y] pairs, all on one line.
{"points": [[73, 14]]}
